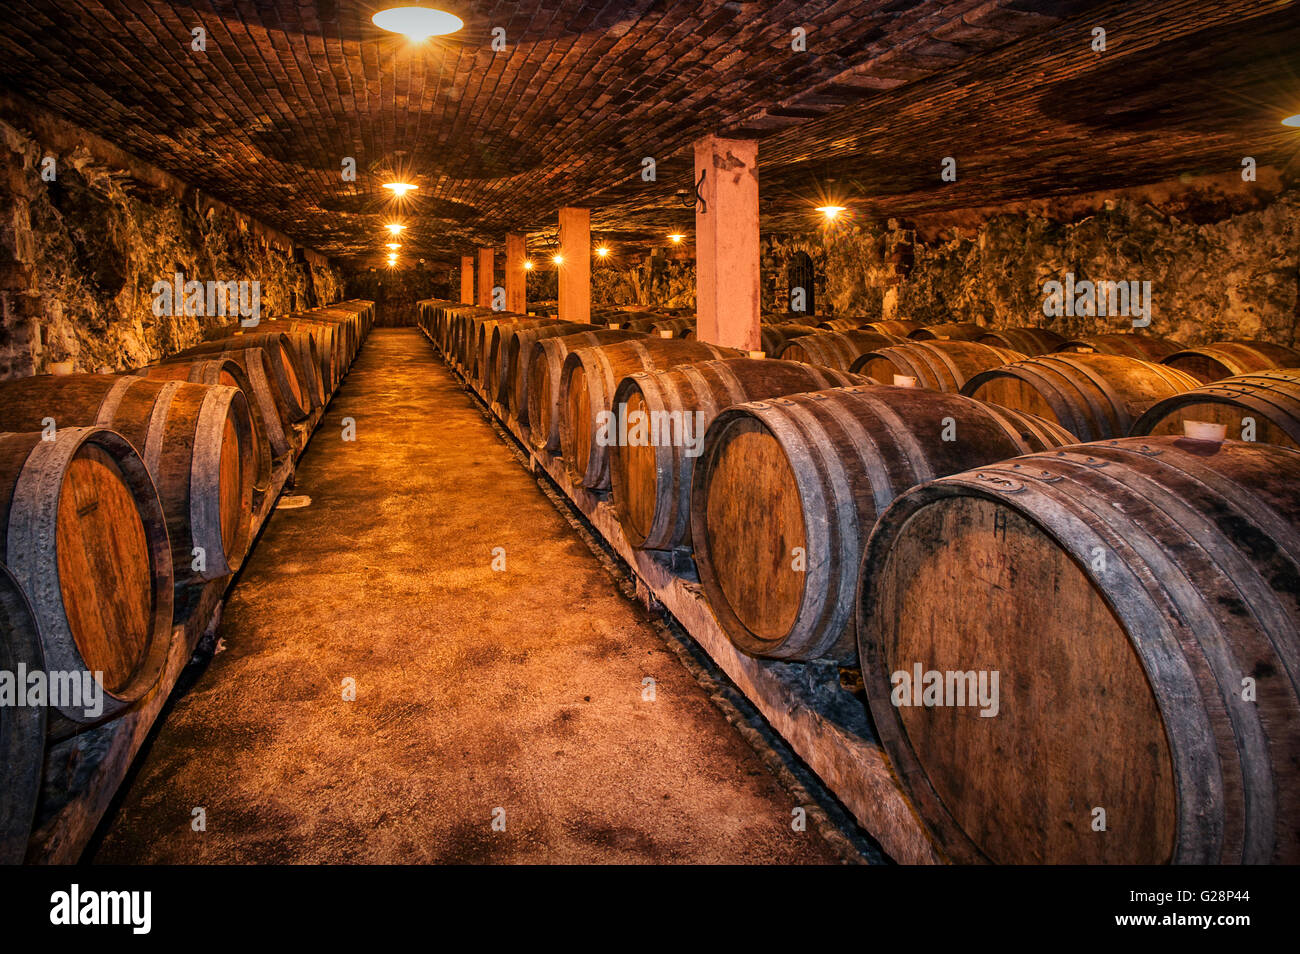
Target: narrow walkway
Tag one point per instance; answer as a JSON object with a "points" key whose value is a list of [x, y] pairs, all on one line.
{"points": [[477, 690]]}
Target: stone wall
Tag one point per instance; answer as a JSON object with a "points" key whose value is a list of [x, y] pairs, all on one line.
{"points": [[1222, 257], [395, 291], [82, 243]]}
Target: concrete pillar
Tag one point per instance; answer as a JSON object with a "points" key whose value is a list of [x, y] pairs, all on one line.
{"points": [[726, 243], [575, 270], [516, 276], [487, 275], [467, 279]]}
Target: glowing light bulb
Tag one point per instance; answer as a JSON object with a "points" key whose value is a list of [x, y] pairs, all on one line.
{"points": [[528, 264], [557, 258], [400, 189], [417, 24], [1292, 120], [831, 212], [677, 238], [602, 251], [395, 228], [394, 245]]}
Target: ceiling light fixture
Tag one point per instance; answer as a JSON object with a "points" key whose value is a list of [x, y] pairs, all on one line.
{"points": [[394, 245], [677, 238], [831, 212], [557, 258], [528, 264], [1292, 120], [417, 24], [602, 251], [395, 227], [400, 188]]}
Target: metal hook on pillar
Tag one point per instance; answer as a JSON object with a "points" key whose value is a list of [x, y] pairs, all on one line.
{"points": [[699, 196]]}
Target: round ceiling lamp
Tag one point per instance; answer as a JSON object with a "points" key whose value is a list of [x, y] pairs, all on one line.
{"points": [[400, 189], [417, 24]]}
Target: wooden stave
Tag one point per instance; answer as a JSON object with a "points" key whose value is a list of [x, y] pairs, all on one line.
{"points": [[1235, 358], [800, 426], [281, 434], [182, 453], [22, 728], [1128, 345], [1097, 379], [713, 386], [210, 371], [487, 372], [547, 362], [1027, 340], [1273, 395], [279, 355], [513, 394], [1049, 490], [602, 367], [28, 515], [951, 331], [937, 365], [835, 349]]}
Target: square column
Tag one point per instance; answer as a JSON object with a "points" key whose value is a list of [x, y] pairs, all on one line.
{"points": [[467, 279], [516, 276], [575, 270], [487, 275], [726, 243]]}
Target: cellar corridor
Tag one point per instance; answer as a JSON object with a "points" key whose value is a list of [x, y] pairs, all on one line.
{"points": [[476, 689]]}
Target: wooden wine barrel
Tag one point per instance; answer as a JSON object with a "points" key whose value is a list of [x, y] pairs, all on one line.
{"points": [[772, 338], [491, 354], [513, 391], [1093, 396], [275, 416], [226, 373], [1227, 359], [652, 477], [353, 326], [22, 728], [1146, 347], [587, 384], [901, 327], [1028, 341], [330, 344], [937, 365], [841, 324], [1129, 594], [198, 445], [955, 331], [835, 349], [543, 384], [85, 537], [671, 327], [283, 362], [787, 490], [1263, 407]]}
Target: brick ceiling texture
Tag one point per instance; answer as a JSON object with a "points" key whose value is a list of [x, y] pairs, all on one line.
{"points": [[499, 140]]}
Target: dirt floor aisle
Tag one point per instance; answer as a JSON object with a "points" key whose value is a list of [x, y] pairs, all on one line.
{"points": [[514, 693]]}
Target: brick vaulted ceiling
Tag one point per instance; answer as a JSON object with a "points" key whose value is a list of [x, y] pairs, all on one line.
{"points": [[498, 140]]}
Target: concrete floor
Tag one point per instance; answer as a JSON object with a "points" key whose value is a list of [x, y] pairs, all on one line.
{"points": [[476, 690]]}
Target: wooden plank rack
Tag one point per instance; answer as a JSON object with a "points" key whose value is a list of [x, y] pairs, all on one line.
{"points": [[826, 725], [83, 772]]}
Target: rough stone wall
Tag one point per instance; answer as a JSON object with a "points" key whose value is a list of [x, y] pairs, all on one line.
{"points": [[659, 280], [1222, 263], [1213, 274], [79, 257], [396, 291]]}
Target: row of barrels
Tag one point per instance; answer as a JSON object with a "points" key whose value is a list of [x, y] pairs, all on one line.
{"points": [[123, 495], [1136, 595]]}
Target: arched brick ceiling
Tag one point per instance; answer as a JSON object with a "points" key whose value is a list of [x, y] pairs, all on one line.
{"points": [[499, 140]]}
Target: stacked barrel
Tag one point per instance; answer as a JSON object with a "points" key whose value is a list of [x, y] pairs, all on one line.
{"points": [[940, 505], [124, 498]]}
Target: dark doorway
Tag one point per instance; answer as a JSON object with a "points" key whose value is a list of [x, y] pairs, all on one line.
{"points": [[801, 299]]}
